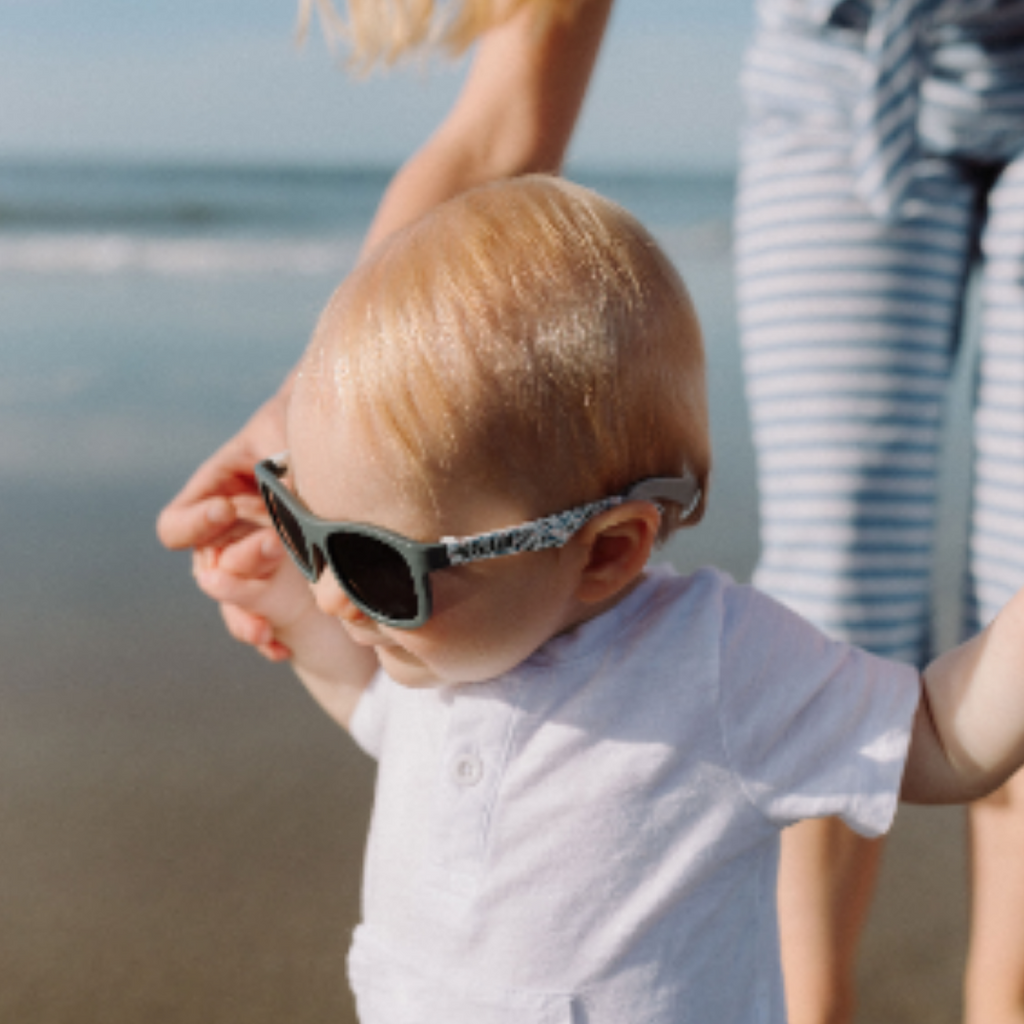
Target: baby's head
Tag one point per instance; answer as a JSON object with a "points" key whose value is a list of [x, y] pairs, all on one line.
{"points": [[525, 352], [529, 338]]}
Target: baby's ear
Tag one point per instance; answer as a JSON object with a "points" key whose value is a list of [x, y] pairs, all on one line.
{"points": [[617, 545]]}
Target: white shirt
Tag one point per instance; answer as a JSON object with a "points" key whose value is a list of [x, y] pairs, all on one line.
{"points": [[593, 837]]}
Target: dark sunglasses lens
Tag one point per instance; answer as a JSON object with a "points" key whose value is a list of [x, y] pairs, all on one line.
{"points": [[375, 574], [289, 530]]}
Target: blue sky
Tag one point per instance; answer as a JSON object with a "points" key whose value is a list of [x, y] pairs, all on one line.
{"points": [[223, 80]]}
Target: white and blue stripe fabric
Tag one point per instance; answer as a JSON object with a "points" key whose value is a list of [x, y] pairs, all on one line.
{"points": [[883, 161]]}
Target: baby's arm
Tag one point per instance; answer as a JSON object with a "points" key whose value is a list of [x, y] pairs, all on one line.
{"points": [[969, 733], [260, 579]]}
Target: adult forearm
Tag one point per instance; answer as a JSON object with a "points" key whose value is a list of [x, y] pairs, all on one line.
{"points": [[459, 156], [436, 173], [515, 113]]}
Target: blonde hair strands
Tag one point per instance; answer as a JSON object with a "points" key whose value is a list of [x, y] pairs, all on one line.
{"points": [[529, 336], [385, 31]]}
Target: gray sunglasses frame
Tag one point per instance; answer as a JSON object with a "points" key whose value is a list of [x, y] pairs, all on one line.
{"points": [[421, 560]]}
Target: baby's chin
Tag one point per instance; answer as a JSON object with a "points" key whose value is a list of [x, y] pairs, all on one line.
{"points": [[405, 669], [408, 670]]}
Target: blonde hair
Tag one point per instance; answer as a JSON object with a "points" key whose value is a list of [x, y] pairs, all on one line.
{"points": [[385, 31], [528, 336]]}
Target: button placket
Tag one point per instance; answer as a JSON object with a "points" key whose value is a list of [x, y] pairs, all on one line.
{"points": [[473, 763], [466, 769]]}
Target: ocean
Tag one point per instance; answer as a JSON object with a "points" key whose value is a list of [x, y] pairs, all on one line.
{"points": [[182, 829], [146, 310]]}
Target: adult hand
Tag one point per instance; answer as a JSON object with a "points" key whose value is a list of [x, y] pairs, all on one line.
{"points": [[515, 114], [210, 507], [219, 514]]}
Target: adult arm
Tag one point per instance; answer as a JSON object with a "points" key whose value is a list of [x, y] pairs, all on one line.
{"points": [[515, 114], [220, 495]]}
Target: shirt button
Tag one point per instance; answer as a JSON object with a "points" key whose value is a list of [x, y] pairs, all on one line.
{"points": [[466, 770]]}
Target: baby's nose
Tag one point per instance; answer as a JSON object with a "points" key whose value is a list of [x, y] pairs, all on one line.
{"points": [[332, 600]]}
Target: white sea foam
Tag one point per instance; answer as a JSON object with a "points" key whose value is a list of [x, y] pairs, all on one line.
{"points": [[120, 253], [113, 253]]}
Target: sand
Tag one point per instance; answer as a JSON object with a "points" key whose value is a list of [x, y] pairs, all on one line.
{"points": [[181, 830]]}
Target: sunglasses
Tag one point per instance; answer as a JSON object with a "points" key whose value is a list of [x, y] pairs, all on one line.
{"points": [[387, 576]]}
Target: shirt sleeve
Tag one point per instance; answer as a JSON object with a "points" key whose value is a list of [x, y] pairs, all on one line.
{"points": [[370, 716], [813, 728]]}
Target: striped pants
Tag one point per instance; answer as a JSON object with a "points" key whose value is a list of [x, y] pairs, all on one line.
{"points": [[850, 326]]}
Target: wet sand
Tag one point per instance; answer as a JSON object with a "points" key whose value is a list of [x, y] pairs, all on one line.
{"points": [[181, 830]]}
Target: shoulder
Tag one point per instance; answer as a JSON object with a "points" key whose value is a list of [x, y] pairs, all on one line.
{"points": [[709, 610], [708, 601]]}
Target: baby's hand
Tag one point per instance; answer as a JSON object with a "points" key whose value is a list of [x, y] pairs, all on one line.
{"points": [[260, 592], [268, 603]]}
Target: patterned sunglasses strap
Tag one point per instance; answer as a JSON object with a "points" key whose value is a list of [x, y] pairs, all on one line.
{"points": [[550, 532]]}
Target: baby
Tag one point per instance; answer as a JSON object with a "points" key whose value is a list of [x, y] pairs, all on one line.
{"points": [[585, 763]]}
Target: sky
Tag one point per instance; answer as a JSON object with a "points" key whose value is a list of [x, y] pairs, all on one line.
{"points": [[223, 80]]}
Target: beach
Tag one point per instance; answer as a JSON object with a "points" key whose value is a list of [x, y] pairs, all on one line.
{"points": [[182, 829]]}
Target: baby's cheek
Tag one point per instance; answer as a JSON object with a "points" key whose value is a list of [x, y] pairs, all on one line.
{"points": [[454, 593]]}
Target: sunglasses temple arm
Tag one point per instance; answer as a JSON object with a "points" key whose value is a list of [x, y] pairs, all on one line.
{"points": [[684, 491], [439, 555], [549, 532]]}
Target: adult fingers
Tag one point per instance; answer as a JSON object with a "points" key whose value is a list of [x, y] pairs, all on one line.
{"points": [[205, 504], [193, 516], [211, 504], [251, 508], [216, 521]]}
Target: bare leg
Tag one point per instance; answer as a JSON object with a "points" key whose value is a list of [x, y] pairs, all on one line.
{"points": [[848, 456], [826, 880], [994, 984]]}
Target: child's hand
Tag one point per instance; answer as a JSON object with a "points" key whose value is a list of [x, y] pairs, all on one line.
{"points": [[267, 603], [247, 548], [261, 593]]}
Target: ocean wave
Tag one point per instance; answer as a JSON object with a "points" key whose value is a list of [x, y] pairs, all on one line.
{"points": [[114, 253], [110, 253], [167, 199], [180, 220], [168, 214], [710, 239]]}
